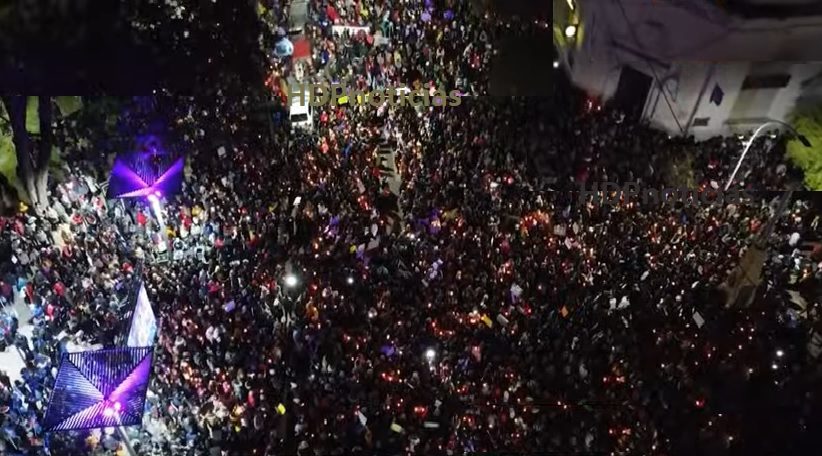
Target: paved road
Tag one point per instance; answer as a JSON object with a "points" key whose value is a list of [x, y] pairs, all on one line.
{"points": [[10, 360], [386, 155], [388, 161]]}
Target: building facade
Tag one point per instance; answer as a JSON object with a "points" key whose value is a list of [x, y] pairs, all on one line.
{"points": [[694, 67]]}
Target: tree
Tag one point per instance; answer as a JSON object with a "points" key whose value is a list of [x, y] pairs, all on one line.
{"points": [[808, 121], [9, 196], [29, 136], [30, 119]]}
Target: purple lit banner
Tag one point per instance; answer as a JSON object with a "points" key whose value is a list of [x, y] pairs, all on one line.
{"points": [[141, 175], [143, 322], [102, 388]]}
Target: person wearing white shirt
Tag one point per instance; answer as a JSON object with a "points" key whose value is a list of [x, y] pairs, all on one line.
{"points": [[213, 334]]}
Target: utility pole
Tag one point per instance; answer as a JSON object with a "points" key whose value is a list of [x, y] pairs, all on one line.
{"points": [[126, 441], [744, 280]]}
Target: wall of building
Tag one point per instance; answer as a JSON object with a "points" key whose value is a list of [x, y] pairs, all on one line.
{"points": [[801, 74], [682, 85], [597, 76], [729, 77], [740, 110], [691, 49], [743, 110]]}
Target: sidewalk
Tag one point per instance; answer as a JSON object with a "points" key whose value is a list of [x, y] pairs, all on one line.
{"points": [[11, 361]]}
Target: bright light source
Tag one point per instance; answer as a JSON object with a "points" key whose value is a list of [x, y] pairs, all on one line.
{"points": [[570, 31], [556, 63], [430, 354], [779, 353], [774, 366], [291, 280], [156, 207], [570, 4], [350, 280]]}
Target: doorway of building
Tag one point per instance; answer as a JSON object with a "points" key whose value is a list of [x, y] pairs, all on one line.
{"points": [[632, 92]]}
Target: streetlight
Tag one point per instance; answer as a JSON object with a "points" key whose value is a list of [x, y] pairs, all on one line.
{"points": [[556, 63], [570, 31], [800, 137], [291, 281], [430, 355]]}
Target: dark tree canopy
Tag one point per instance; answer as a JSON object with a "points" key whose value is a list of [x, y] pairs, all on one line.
{"points": [[117, 48]]}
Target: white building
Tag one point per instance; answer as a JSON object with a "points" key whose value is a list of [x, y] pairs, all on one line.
{"points": [[700, 67]]}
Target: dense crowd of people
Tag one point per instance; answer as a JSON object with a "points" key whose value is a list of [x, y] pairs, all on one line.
{"points": [[488, 309]]}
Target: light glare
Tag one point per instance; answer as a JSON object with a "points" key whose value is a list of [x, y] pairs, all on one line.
{"points": [[430, 354], [291, 280]]}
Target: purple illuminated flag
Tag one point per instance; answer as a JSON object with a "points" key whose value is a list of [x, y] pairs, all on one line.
{"points": [[102, 388], [144, 174]]}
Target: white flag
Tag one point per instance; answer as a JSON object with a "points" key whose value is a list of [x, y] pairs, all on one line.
{"points": [[516, 291], [698, 319]]}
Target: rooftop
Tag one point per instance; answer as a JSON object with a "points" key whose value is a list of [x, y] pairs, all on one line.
{"points": [[774, 9], [684, 30]]}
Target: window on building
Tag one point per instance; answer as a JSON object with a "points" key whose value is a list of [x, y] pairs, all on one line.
{"points": [[701, 121], [766, 81]]}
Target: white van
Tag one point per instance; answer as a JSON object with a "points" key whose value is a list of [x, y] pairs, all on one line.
{"points": [[301, 115]]}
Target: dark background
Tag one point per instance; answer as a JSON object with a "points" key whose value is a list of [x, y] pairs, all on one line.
{"points": [[90, 47], [87, 47], [524, 63]]}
